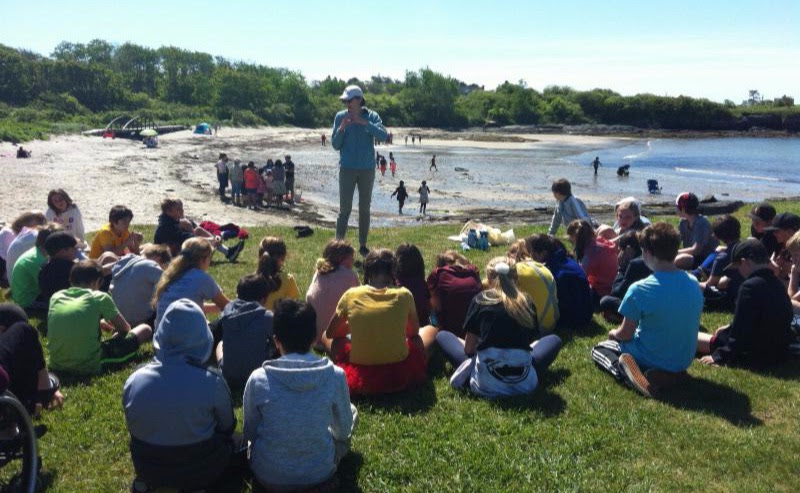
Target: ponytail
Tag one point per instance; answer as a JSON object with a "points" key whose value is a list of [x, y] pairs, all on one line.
{"points": [[502, 279], [581, 233], [193, 252], [335, 252], [270, 270]]}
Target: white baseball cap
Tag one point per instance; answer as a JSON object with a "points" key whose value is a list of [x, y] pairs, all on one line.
{"points": [[351, 92]]}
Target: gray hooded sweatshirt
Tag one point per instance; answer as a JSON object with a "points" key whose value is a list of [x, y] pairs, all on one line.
{"points": [[133, 281], [294, 409], [174, 400], [246, 340]]}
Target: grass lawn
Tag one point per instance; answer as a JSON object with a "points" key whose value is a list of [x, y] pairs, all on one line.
{"points": [[728, 429]]}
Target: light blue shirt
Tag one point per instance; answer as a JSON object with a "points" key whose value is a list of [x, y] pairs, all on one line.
{"points": [[356, 145], [195, 284], [667, 306]]}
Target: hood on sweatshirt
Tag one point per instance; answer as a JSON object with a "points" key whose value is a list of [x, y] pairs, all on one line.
{"points": [[299, 372], [183, 334], [241, 314], [126, 264]]}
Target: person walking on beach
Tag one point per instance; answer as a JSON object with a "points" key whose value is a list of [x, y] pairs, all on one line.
{"points": [[419, 138], [383, 165], [596, 164], [406, 139], [288, 166], [402, 195], [324, 138], [392, 164], [423, 197], [413, 140], [354, 131], [433, 163]]}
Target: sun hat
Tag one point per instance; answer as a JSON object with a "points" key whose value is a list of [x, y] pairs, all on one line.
{"points": [[351, 92]]}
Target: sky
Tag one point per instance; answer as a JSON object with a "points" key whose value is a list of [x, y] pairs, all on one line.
{"points": [[713, 49]]}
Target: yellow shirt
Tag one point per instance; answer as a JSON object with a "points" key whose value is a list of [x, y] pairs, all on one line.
{"points": [[106, 239], [537, 280], [288, 289], [377, 323]]}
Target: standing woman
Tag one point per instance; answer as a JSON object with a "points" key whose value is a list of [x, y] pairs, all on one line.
{"points": [[354, 131]]}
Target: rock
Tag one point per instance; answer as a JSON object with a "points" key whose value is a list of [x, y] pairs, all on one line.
{"points": [[708, 199], [463, 170]]}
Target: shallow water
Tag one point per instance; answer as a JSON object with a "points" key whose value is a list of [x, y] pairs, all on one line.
{"points": [[736, 168]]}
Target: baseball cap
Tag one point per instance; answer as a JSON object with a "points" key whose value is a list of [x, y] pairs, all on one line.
{"points": [[763, 211], [687, 201], [746, 249], [785, 220], [351, 92]]}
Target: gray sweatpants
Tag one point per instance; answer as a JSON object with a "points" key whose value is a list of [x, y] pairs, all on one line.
{"points": [[349, 179]]}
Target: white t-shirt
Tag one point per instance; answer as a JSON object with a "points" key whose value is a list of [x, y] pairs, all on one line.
{"points": [[7, 236], [71, 220], [25, 240]]}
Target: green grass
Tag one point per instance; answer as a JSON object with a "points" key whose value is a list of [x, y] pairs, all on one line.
{"points": [[729, 429]]}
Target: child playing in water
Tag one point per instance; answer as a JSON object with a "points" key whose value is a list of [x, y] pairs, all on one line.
{"points": [[423, 197], [402, 195]]}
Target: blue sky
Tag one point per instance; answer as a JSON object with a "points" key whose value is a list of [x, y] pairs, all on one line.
{"points": [[713, 49]]}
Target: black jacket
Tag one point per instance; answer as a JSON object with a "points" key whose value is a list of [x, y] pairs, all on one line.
{"points": [[635, 271]]}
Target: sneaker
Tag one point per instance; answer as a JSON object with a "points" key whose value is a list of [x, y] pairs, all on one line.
{"points": [[634, 375], [139, 486], [364, 251], [233, 252]]}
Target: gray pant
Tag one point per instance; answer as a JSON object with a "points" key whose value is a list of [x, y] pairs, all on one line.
{"points": [[349, 178]]}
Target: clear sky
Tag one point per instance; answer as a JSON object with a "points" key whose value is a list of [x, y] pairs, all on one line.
{"points": [[713, 48]]}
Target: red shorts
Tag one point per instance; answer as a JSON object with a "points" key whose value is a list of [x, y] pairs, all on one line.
{"points": [[384, 379]]}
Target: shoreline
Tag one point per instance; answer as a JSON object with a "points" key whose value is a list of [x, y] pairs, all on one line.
{"points": [[101, 172]]}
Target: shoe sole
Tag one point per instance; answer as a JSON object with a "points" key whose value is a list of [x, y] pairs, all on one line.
{"points": [[634, 375]]}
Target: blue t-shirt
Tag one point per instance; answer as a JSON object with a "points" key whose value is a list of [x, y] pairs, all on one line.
{"points": [[667, 306], [195, 284]]}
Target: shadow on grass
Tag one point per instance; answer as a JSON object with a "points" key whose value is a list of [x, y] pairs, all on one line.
{"points": [[788, 370], [705, 396], [140, 359], [348, 471], [46, 479], [593, 329], [413, 401]]}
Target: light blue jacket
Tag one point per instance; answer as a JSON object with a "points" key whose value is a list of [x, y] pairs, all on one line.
{"points": [[566, 211], [356, 145]]}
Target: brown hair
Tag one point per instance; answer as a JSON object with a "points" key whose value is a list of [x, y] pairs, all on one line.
{"points": [[85, 272], [156, 252], [410, 263], [270, 251], [169, 204], [562, 186], [334, 254], [451, 257], [661, 240], [519, 251], [45, 232], [29, 220], [379, 262], [545, 244], [193, 252], [582, 233], [67, 199], [727, 229]]}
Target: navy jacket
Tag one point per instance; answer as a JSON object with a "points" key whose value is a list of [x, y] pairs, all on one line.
{"points": [[575, 303]]}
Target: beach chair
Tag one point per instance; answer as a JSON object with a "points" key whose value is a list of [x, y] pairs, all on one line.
{"points": [[652, 186]]}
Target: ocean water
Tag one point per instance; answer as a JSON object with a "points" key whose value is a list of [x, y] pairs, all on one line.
{"points": [[749, 169]]}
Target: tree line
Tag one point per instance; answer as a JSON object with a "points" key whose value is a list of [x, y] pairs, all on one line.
{"points": [[90, 83]]}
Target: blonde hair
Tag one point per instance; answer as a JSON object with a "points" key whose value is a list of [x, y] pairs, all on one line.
{"points": [[793, 242], [193, 252], [501, 273], [519, 251], [451, 257], [333, 255]]}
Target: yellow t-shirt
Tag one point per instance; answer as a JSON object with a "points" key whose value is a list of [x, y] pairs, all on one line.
{"points": [[288, 289], [377, 321], [537, 280], [105, 239]]}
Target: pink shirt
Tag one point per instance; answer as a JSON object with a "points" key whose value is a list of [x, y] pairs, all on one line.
{"points": [[600, 264], [326, 290]]}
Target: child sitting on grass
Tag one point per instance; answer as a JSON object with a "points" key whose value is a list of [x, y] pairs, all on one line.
{"points": [[62, 210], [695, 231], [25, 225], [297, 412], [246, 331], [575, 302], [631, 268], [387, 351], [411, 275], [536, 281], [179, 412], [720, 289], [761, 217], [25, 277], [628, 218], [173, 229], [133, 282], [597, 256], [271, 257], [61, 248], [793, 247], [657, 339], [187, 277], [78, 316], [333, 276], [760, 332], [497, 358], [115, 238], [452, 285], [568, 207]]}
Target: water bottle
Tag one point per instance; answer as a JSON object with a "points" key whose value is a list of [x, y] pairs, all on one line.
{"points": [[472, 238], [483, 243], [464, 246]]}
